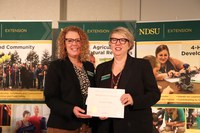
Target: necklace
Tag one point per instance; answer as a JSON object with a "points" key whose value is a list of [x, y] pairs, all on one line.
{"points": [[116, 81], [164, 69]]}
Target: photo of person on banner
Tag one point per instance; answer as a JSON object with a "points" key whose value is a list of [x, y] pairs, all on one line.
{"points": [[155, 64], [158, 116], [136, 77], [36, 115], [196, 114], [67, 82], [193, 118], [170, 67], [24, 125], [38, 121], [175, 120]]}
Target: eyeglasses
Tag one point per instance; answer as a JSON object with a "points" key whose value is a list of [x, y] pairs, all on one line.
{"points": [[70, 40], [121, 40]]}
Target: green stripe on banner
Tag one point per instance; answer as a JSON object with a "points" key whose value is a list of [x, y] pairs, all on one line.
{"points": [[168, 31], [99, 30], [25, 30]]}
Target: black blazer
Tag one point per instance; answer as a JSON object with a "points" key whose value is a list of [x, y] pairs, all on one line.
{"points": [[62, 92], [138, 80]]}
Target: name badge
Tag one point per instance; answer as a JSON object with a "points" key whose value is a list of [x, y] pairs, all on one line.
{"points": [[90, 73], [105, 77]]}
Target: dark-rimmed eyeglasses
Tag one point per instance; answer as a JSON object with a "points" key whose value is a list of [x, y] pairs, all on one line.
{"points": [[121, 40], [71, 40]]}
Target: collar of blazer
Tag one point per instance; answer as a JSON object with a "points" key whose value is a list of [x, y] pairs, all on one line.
{"points": [[85, 65], [126, 72], [68, 69]]}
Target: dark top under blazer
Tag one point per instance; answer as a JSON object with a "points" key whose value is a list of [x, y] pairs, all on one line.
{"points": [[138, 80], [62, 92]]}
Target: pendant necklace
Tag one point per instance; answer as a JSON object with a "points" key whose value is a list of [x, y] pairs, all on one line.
{"points": [[165, 68], [116, 81]]}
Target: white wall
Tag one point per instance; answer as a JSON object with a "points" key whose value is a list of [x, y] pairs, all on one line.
{"points": [[170, 9], [102, 10], [97, 10], [30, 10]]}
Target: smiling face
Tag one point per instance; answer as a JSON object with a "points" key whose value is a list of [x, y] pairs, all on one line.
{"points": [[169, 110], [27, 117], [73, 44], [36, 110], [120, 45], [163, 56]]}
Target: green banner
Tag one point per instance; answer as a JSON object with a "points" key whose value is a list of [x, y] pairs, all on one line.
{"points": [[25, 52], [25, 30], [24, 46], [173, 47], [175, 43], [98, 33], [168, 31], [99, 30]]}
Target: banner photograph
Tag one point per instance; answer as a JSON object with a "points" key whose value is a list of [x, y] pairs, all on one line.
{"points": [[25, 52], [14, 116], [173, 49], [176, 120]]}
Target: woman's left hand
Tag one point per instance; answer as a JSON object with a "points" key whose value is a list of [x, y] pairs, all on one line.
{"points": [[126, 99], [79, 113]]}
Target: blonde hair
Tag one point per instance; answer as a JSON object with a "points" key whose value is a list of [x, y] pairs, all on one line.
{"points": [[124, 31], [61, 48], [153, 61], [173, 111]]}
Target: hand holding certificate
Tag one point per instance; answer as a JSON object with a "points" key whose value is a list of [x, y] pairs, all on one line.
{"points": [[105, 102]]}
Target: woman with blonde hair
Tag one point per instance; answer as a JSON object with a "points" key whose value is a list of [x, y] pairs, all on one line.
{"points": [[133, 75]]}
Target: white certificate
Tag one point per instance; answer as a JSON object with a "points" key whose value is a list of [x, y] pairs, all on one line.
{"points": [[105, 102]]}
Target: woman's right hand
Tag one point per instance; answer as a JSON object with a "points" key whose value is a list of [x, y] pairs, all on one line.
{"points": [[173, 73], [79, 113]]}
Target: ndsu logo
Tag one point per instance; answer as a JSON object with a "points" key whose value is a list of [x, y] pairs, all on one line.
{"points": [[149, 31]]}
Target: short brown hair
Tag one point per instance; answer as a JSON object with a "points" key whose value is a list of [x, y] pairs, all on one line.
{"points": [[26, 112], [161, 48]]}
